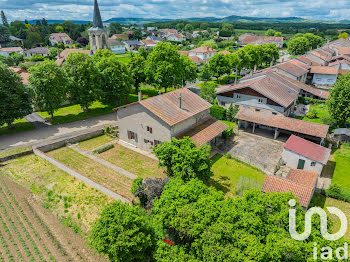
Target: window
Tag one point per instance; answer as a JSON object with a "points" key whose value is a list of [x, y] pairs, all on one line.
{"points": [[157, 142], [260, 100], [313, 163], [149, 129], [238, 96], [148, 142], [132, 136]]}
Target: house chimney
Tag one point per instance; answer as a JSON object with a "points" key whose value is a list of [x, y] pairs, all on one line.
{"points": [[140, 95], [179, 101]]}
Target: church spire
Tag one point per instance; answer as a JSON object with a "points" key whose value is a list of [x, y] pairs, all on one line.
{"points": [[97, 21]]}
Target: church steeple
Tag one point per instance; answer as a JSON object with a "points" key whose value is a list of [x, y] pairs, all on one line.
{"points": [[97, 21], [98, 34]]}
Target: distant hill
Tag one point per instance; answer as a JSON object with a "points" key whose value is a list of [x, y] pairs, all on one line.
{"points": [[228, 19]]}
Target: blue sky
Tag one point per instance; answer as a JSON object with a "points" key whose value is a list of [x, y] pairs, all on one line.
{"points": [[82, 9]]}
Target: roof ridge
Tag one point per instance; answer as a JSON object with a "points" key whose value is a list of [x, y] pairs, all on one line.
{"points": [[290, 181]]}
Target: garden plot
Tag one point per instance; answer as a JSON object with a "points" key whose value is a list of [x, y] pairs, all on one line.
{"points": [[28, 232]]}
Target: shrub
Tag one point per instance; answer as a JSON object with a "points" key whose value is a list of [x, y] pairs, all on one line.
{"points": [[337, 192], [135, 185], [218, 112], [36, 58], [228, 156], [227, 133], [311, 114], [107, 129], [103, 149]]}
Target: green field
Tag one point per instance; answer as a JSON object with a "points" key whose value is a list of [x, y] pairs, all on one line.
{"points": [[341, 158], [18, 125], [226, 173], [94, 143], [321, 111], [14, 151], [125, 58]]}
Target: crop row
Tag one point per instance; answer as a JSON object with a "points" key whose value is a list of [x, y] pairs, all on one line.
{"points": [[24, 216]]}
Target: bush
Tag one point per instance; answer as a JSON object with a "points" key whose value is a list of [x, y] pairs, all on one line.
{"points": [[228, 156], [337, 192], [135, 185], [218, 112], [311, 114], [36, 58], [227, 133], [103, 149], [107, 129]]}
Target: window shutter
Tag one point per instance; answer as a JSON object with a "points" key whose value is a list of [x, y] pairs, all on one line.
{"points": [[150, 130], [136, 138], [129, 135]]}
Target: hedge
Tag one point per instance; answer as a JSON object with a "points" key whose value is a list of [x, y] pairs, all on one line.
{"points": [[103, 149], [337, 192], [218, 112]]}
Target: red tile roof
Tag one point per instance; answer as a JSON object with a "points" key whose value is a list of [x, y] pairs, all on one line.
{"points": [[324, 70], [149, 42], [166, 106], [264, 117], [308, 149], [294, 67], [269, 86], [120, 36], [250, 38], [203, 49], [225, 52], [303, 177], [338, 62], [11, 49], [343, 50], [281, 185], [306, 60], [58, 37], [204, 132], [196, 59]]}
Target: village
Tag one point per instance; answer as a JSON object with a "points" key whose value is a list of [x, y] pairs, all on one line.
{"points": [[152, 127]]}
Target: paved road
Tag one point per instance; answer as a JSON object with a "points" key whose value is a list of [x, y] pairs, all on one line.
{"points": [[37, 120], [46, 133]]}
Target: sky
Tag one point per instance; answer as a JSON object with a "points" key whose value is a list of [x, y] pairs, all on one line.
{"points": [[82, 9]]}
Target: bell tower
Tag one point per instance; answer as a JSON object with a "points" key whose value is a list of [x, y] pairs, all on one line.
{"points": [[98, 34]]}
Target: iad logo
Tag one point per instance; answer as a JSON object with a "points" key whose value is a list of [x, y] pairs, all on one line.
{"points": [[326, 252], [323, 217]]}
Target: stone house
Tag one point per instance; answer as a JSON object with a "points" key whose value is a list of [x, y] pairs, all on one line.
{"points": [[116, 46], [176, 114], [57, 38], [43, 51], [294, 69], [6, 51], [302, 154], [324, 75], [203, 52]]}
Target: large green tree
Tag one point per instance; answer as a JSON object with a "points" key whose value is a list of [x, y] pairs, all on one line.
{"points": [[116, 80], [115, 28], [269, 53], [164, 66], [4, 35], [124, 233], [183, 159], [188, 70], [49, 83], [137, 67], [298, 46], [339, 100], [208, 92], [83, 79], [15, 97], [219, 65], [4, 19]]}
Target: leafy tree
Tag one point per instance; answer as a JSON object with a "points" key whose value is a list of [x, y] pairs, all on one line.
{"points": [[15, 97], [229, 113], [210, 43], [49, 83], [205, 74], [124, 233], [226, 30], [298, 46], [343, 35], [188, 70], [83, 79], [183, 159], [115, 28], [16, 27], [269, 53], [278, 34], [37, 23], [339, 100], [59, 29], [17, 58], [137, 35], [219, 65], [4, 19], [34, 38], [163, 66], [4, 35], [208, 92], [252, 56], [44, 22], [137, 66], [83, 41], [188, 28], [116, 79], [314, 40], [53, 52], [270, 32]]}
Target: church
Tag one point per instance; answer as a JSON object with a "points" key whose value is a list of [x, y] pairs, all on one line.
{"points": [[98, 34]]}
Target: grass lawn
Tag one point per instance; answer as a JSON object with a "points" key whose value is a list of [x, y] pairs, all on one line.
{"points": [[125, 58], [341, 158], [95, 142], [64, 195], [94, 170], [226, 173], [14, 151], [321, 111], [323, 202], [133, 162], [18, 125]]}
